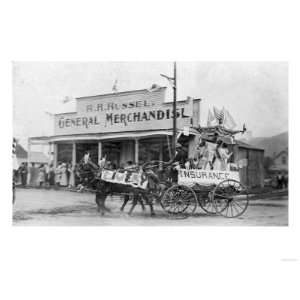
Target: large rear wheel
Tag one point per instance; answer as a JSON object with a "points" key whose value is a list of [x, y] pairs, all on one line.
{"points": [[230, 198]]}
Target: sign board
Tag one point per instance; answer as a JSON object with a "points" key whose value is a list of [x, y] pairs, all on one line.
{"points": [[134, 179], [203, 177], [131, 111]]}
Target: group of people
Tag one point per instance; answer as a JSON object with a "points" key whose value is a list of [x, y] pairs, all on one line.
{"points": [[210, 154], [281, 180], [46, 175]]}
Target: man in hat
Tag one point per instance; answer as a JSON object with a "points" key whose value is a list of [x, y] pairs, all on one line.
{"points": [[178, 161]]}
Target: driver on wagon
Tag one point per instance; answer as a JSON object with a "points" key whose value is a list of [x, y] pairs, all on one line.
{"points": [[178, 161]]}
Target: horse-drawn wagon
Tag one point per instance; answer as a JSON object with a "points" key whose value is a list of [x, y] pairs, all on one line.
{"points": [[213, 183]]}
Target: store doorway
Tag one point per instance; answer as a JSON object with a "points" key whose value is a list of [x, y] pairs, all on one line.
{"points": [[92, 148], [112, 152]]}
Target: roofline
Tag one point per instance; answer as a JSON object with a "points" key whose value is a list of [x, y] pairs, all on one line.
{"points": [[164, 103], [120, 93], [251, 148], [94, 134], [278, 154], [248, 146]]}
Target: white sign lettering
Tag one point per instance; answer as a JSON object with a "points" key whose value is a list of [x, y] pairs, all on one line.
{"points": [[203, 177]]}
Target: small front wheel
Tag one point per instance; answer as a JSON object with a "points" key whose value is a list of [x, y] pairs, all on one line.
{"points": [[179, 200]]}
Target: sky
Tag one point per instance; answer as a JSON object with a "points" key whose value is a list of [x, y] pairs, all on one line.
{"points": [[255, 93]]}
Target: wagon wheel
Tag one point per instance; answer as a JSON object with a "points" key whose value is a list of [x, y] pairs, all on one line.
{"points": [[179, 200], [230, 198], [206, 203]]}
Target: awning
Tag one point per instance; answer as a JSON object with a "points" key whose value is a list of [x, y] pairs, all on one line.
{"points": [[100, 137]]}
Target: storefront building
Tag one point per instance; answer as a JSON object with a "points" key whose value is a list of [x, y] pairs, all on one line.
{"points": [[127, 126]]}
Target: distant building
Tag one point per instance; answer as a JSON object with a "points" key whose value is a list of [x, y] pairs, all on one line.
{"points": [[280, 162], [251, 161], [38, 158], [21, 154]]}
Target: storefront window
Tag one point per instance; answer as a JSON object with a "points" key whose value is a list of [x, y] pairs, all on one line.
{"points": [[112, 152], [153, 149], [64, 153]]}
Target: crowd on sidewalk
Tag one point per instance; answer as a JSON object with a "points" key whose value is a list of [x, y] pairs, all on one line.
{"points": [[46, 176]]}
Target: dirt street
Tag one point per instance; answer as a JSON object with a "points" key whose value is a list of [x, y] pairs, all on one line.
{"points": [[38, 207]]}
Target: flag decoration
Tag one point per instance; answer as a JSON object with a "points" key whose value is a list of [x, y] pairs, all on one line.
{"points": [[154, 88], [67, 99], [210, 119], [115, 88], [219, 115], [170, 79], [229, 121]]}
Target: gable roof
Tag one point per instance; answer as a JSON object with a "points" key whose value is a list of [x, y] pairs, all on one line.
{"points": [[248, 146], [286, 151], [20, 151]]}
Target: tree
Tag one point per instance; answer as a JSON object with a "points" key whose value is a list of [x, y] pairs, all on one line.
{"points": [[268, 162]]}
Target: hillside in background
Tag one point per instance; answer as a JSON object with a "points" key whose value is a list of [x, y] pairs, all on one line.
{"points": [[273, 144]]}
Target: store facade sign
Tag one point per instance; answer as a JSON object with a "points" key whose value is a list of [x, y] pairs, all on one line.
{"points": [[117, 113]]}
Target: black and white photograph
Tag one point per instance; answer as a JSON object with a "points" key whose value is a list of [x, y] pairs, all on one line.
{"points": [[149, 150], [150, 143]]}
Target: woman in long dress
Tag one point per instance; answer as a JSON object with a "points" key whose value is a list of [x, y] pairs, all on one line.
{"points": [[41, 175], [58, 174], [209, 155], [72, 176], [64, 177], [224, 157]]}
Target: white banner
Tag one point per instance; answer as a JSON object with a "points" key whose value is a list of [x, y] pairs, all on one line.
{"points": [[190, 177], [131, 178]]}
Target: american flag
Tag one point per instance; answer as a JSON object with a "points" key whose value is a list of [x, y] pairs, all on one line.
{"points": [[219, 115]]}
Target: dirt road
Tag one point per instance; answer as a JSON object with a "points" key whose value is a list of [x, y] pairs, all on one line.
{"points": [[38, 207]]}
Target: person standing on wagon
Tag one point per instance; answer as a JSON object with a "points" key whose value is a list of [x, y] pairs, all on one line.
{"points": [[178, 161], [222, 157]]}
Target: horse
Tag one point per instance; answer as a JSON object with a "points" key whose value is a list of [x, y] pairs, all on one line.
{"points": [[90, 177]]}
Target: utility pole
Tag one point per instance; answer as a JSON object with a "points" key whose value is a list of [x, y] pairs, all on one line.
{"points": [[173, 82], [174, 111]]}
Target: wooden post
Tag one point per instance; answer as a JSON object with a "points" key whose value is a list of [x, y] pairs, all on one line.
{"points": [[169, 148], [174, 111], [161, 154], [55, 155], [28, 161], [99, 151], [73, 154], [136, 151]]}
